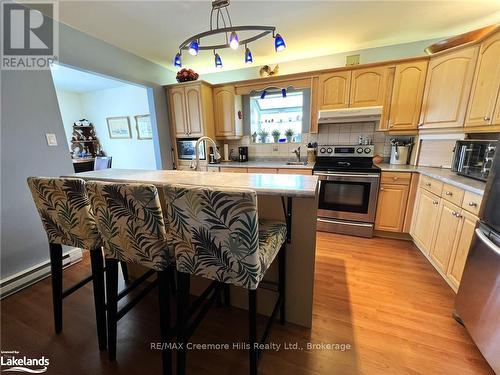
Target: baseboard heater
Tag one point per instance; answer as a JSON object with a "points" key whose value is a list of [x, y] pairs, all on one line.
{"points": [[32, 275]]}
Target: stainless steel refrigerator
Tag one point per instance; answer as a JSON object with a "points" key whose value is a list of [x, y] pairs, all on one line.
{"points": [[478, 299]]}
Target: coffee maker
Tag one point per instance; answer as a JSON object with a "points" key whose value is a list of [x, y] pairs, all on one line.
{"points": [[242, 154]]}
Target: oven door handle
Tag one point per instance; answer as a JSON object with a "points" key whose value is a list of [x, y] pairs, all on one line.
{"points": [[367, 175]]}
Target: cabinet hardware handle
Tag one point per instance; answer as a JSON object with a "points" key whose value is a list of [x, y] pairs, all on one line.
{"points": [[420, 125], [449, 193], [486, 118], [435, 202], [458, 215], [427, 184], [472, 204], [381, 189], [396, 178]]}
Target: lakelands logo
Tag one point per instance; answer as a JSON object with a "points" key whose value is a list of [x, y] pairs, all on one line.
{"points": [[12, 361], [30, 35]]}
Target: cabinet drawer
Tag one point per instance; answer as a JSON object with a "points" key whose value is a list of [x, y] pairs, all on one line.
{"points": [[453, 194], [295, 171], [434, 186], [398, 178], [233, 170], [262, 170], [472, 202]]}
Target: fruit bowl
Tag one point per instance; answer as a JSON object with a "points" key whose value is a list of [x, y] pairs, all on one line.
{"points": [[186, 75]]}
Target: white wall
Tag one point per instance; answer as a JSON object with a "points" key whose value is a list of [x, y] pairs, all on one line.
{"points": [[369, 55], [130, 101], [70, 106]]}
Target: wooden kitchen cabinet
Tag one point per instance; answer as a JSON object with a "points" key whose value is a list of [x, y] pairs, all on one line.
{"points": [[407, 93], [263, 170], [447, 227], [424, 219], [484, 95], [391, 207], [178, 112], [447, 88], [233, 169], [227, 107], [301, 171], [191, 112], [333, 90], [368, 86], [461, 248]]}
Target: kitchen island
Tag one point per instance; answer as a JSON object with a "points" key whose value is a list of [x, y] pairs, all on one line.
{"points": [[292, 198]]}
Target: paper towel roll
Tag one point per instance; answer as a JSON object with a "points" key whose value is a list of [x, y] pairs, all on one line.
{"points": [[226, 152]]}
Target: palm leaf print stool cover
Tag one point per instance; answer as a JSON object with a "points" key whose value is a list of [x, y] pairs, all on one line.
{"points": [[217, 234]]}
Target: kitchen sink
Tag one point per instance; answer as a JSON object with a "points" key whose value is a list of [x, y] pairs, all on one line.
{"points": [[296, 163]]}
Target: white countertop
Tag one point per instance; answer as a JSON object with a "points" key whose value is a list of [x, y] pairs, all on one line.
{"points": [[441, 174], [264, 184], [281, 164]]}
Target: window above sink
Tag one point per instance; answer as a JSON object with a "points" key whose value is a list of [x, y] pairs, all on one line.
{"points": [[277, 118]]}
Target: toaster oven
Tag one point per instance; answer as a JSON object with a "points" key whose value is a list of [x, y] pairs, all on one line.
{"points": [[473, 158]]}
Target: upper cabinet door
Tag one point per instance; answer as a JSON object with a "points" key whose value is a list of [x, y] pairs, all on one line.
{"points": [[178, 111], [334, 90], [447, 89], [408, 89], [368, 87], [194, 110], [484, 92], [224, 107]]}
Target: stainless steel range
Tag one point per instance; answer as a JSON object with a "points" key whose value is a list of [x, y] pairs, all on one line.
{"points": [[349, 184]]}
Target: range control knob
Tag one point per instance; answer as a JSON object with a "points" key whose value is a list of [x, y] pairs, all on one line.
{"points": [[329, 150], [322, 150], [368, 150], [359, 150]]}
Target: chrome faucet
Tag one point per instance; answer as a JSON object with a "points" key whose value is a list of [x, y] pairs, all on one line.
{"points": [[196, 160], [297, 153]]}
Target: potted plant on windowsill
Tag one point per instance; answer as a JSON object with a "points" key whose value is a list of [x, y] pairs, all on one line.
{"points": [[289, 135], [263, 136], [254, 137], [276, 135]]}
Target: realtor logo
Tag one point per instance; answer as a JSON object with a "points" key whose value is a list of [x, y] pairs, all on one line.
{"points": [[29, 35]]}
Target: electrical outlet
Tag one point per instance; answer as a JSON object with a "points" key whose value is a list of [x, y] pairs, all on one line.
{"points": [[275, 148], [51, 139]]}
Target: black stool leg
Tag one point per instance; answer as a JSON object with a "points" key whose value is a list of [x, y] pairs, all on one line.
{"points": [[97, 266], [282, 280], [164, 295], [171, 273], [56, 271], [124, 268], [182, 307], [227, 296], [112, 297], [252, 334]]}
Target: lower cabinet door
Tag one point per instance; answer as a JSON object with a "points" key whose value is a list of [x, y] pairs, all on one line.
{"points": [[461, 247], [391, 207], [426, 211], [448, 224]]}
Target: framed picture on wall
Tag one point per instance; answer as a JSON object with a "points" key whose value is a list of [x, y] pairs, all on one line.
{"points": [[118, 127], [143, 124]]}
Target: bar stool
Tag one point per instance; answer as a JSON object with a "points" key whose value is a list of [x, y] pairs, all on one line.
{"points": [[217, 234], [130, 221], [64, 208]]}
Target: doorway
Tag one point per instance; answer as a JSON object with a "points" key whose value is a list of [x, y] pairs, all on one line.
{"points": [[104, 117]]}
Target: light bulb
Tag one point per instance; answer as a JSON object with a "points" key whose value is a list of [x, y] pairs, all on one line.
{"points": [[193, 48], [234, 43]]}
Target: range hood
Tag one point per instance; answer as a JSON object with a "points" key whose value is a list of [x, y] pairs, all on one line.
{"points": [[360, 114]]}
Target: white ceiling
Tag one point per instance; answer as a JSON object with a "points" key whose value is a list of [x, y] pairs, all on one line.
{"points": [[77, 81], [154, 29]]}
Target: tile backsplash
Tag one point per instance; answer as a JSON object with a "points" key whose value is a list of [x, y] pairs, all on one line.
{"points": [[328, 134]]}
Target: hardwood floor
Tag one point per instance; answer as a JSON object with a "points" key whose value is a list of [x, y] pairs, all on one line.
{"points": [[380, 296]]}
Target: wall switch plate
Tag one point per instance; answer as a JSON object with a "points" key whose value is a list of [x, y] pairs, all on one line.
{"points": [[51, 139], [352, 60]]}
